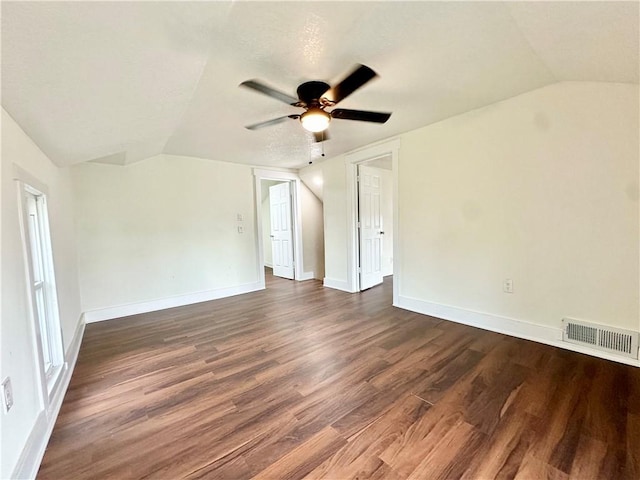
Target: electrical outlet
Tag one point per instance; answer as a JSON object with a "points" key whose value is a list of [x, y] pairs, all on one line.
{"points": [[507, 285], [239, 217], [7, 395]]}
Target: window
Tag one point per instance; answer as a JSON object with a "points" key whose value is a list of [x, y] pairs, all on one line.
{"points": [[41, 286]]}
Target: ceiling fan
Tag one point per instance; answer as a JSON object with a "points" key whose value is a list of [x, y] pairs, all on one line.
{"points": [[315, 97]]}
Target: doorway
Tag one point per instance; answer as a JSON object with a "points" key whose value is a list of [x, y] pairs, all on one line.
{"points": [[375, 221], [263, 180], [277, 228], [381, 258]]}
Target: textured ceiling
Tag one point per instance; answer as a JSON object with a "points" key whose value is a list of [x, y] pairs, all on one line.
{"points": [[122, 81]]}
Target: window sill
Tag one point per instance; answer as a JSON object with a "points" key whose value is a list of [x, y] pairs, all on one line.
{"points": [[53, 380]]}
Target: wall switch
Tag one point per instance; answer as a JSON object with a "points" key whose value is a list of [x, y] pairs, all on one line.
{"points": [[7, 395], [240, 229], [507, 285]]}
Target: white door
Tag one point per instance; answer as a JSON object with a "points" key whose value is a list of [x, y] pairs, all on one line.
{"points": [[281, 232], [371, 232]]}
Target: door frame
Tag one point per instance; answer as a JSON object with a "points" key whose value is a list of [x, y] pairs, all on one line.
{"points": [[296, 219], [383, 149]]}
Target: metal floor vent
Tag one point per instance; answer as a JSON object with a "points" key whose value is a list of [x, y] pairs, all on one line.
{"points": [[623, 342]]}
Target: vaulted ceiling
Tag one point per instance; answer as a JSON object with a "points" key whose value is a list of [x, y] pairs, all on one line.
{"points": [[122, 81]]}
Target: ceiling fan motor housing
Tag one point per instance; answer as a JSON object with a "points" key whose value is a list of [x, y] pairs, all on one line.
{"points": [[310, 93]]}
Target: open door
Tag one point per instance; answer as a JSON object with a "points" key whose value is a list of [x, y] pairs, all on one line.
{"points": [[370, 222], [281, 231]]}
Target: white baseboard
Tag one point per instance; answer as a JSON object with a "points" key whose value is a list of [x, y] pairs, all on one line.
{"points": [[307, 276], [505, 325], [337, 284], [74, 347], [33, 451], [119, 311]]}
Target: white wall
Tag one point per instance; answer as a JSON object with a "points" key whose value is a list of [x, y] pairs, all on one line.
{"points": [[17, 342], [162, 228], [312, 177], [541, 188], [312, 232], [335, 222]]}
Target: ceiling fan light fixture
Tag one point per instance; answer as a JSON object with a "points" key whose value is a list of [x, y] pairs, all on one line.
{"points": [[315, 120]]}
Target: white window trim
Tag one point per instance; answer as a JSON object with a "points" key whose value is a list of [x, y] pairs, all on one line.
{"points": [[49, 381]]}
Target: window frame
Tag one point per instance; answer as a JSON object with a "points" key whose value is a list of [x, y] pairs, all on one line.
{"points": [[40, 284]]}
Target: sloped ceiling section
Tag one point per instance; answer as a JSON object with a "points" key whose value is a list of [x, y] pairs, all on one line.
{"points": [[118, 82]]}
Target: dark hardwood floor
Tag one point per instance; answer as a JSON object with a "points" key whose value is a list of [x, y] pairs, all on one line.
{"points": [[298, 381]]}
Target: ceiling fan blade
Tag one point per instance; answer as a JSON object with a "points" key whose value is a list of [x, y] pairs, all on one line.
{"points": [[268, 123], [361, 75], [362, 115], [271, 92], [321, 136]]}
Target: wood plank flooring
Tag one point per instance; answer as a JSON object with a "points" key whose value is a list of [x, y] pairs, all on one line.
{"points": [[299, 381]]}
